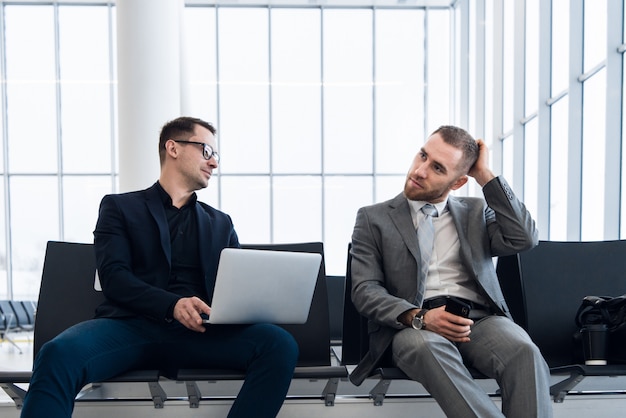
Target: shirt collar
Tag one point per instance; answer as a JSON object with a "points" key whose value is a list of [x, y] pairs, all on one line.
{"points": [[416, 206], [167, 200]]}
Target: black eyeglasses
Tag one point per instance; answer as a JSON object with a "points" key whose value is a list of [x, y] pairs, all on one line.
{"points": [[207, 151]]}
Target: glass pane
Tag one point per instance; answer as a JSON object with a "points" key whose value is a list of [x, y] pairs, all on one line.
{"points": [[489, 75], [622, 234], [399, 87], [508, 159], [297, 208], [343, 197], [439, 68], [531, 99], [474, 65], [560, 45], [508, 65], [296, 91], [388, 187], [559, 150], [211, 195], [594, 149], [296, 46], [595, 33], [86, 132], [4, 285], [31, 229], [201, 52], [244, 92], [348, 91], [31, 89], [531, 157], [247, 200], [81, 200], [85, 89]]}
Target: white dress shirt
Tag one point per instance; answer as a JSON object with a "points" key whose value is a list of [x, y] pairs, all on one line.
{"points": [[446, 273]]}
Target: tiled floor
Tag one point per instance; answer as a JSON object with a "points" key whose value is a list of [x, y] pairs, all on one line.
{"points": [[405, 398]]}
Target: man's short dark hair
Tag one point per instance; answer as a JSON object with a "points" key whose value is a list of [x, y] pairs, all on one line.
{"points": [[180, 128], [461, 139]]}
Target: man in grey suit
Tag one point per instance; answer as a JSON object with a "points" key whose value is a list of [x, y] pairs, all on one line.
{"points": [[430, 344]]}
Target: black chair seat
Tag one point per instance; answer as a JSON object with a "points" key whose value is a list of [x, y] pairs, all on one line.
{"points": [[313, 372]]}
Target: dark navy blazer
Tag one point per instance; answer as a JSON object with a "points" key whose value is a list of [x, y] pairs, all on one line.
{"points": [[133, 253]]}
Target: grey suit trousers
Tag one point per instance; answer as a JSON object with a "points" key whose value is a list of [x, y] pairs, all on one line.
{"points": [[499, 349]]}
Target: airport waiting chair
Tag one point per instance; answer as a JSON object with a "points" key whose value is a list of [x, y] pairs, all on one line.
{"points": [[335, 287], [313, 338], [7, 324], [30, 306], [356, 345], [544, 288], [23, 320], [67, 296]]}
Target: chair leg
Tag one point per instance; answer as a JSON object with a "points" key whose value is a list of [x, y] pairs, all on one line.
{"points": [[379, 391], [158, 394], [15, 392], [5, 337], [330, 391], [560, 389], [193, 394]]}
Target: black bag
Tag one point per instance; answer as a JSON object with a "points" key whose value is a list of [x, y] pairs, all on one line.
{"points": [[610, 311]]}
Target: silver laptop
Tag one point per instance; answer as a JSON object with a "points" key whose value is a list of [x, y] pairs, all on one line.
{"points": [[255, 286]]}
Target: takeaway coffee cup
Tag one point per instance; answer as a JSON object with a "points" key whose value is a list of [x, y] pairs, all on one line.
{"points": [[594, 344]]}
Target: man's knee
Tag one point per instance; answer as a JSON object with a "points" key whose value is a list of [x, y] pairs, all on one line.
{"points": [[410, 343], [529, 353], [56, 351], [281, 344]]}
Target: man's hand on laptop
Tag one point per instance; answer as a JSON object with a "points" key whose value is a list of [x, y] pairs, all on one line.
{"points": [[187, 311]]}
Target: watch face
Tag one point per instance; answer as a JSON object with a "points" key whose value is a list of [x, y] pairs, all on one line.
{"points": [[417, 322]]}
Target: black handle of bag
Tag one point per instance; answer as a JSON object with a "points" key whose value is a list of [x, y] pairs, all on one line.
{"points": [[603, 306]]}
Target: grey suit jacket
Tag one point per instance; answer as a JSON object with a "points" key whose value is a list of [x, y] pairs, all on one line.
{"points": [[385, 257]]}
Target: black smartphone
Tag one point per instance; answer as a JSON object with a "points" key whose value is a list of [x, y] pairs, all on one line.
{"points": [[457, 307]]}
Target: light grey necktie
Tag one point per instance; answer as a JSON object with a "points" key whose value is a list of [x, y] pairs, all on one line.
{"points": [[425, 240]]}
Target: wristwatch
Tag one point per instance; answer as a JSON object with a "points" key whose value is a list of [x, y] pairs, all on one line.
{"points": [[418, 319]]}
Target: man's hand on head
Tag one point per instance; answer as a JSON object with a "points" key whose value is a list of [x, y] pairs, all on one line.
{"points": [[480, 171]]}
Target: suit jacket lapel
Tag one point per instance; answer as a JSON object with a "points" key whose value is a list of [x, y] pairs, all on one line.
{"points": [[204, 245], [155, 206], [400, 214], [460, 215]]}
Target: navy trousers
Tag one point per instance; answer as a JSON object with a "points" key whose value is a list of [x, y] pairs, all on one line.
{"points": [[99, 349]]}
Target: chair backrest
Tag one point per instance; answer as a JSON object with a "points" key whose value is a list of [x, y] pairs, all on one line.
{"points": [[552, 280], [67, 295], [69, 271], [335, 288], [5, 321], [9, 315], [355, 343], [21, 316], [31, 310], [313, 337]]}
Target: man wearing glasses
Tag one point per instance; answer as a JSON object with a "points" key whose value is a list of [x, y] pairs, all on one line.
{"points": [[157, 252]]}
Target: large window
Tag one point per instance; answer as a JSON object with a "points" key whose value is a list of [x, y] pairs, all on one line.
{"points": [[57, 141], [314, 120], [569, 90]]}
